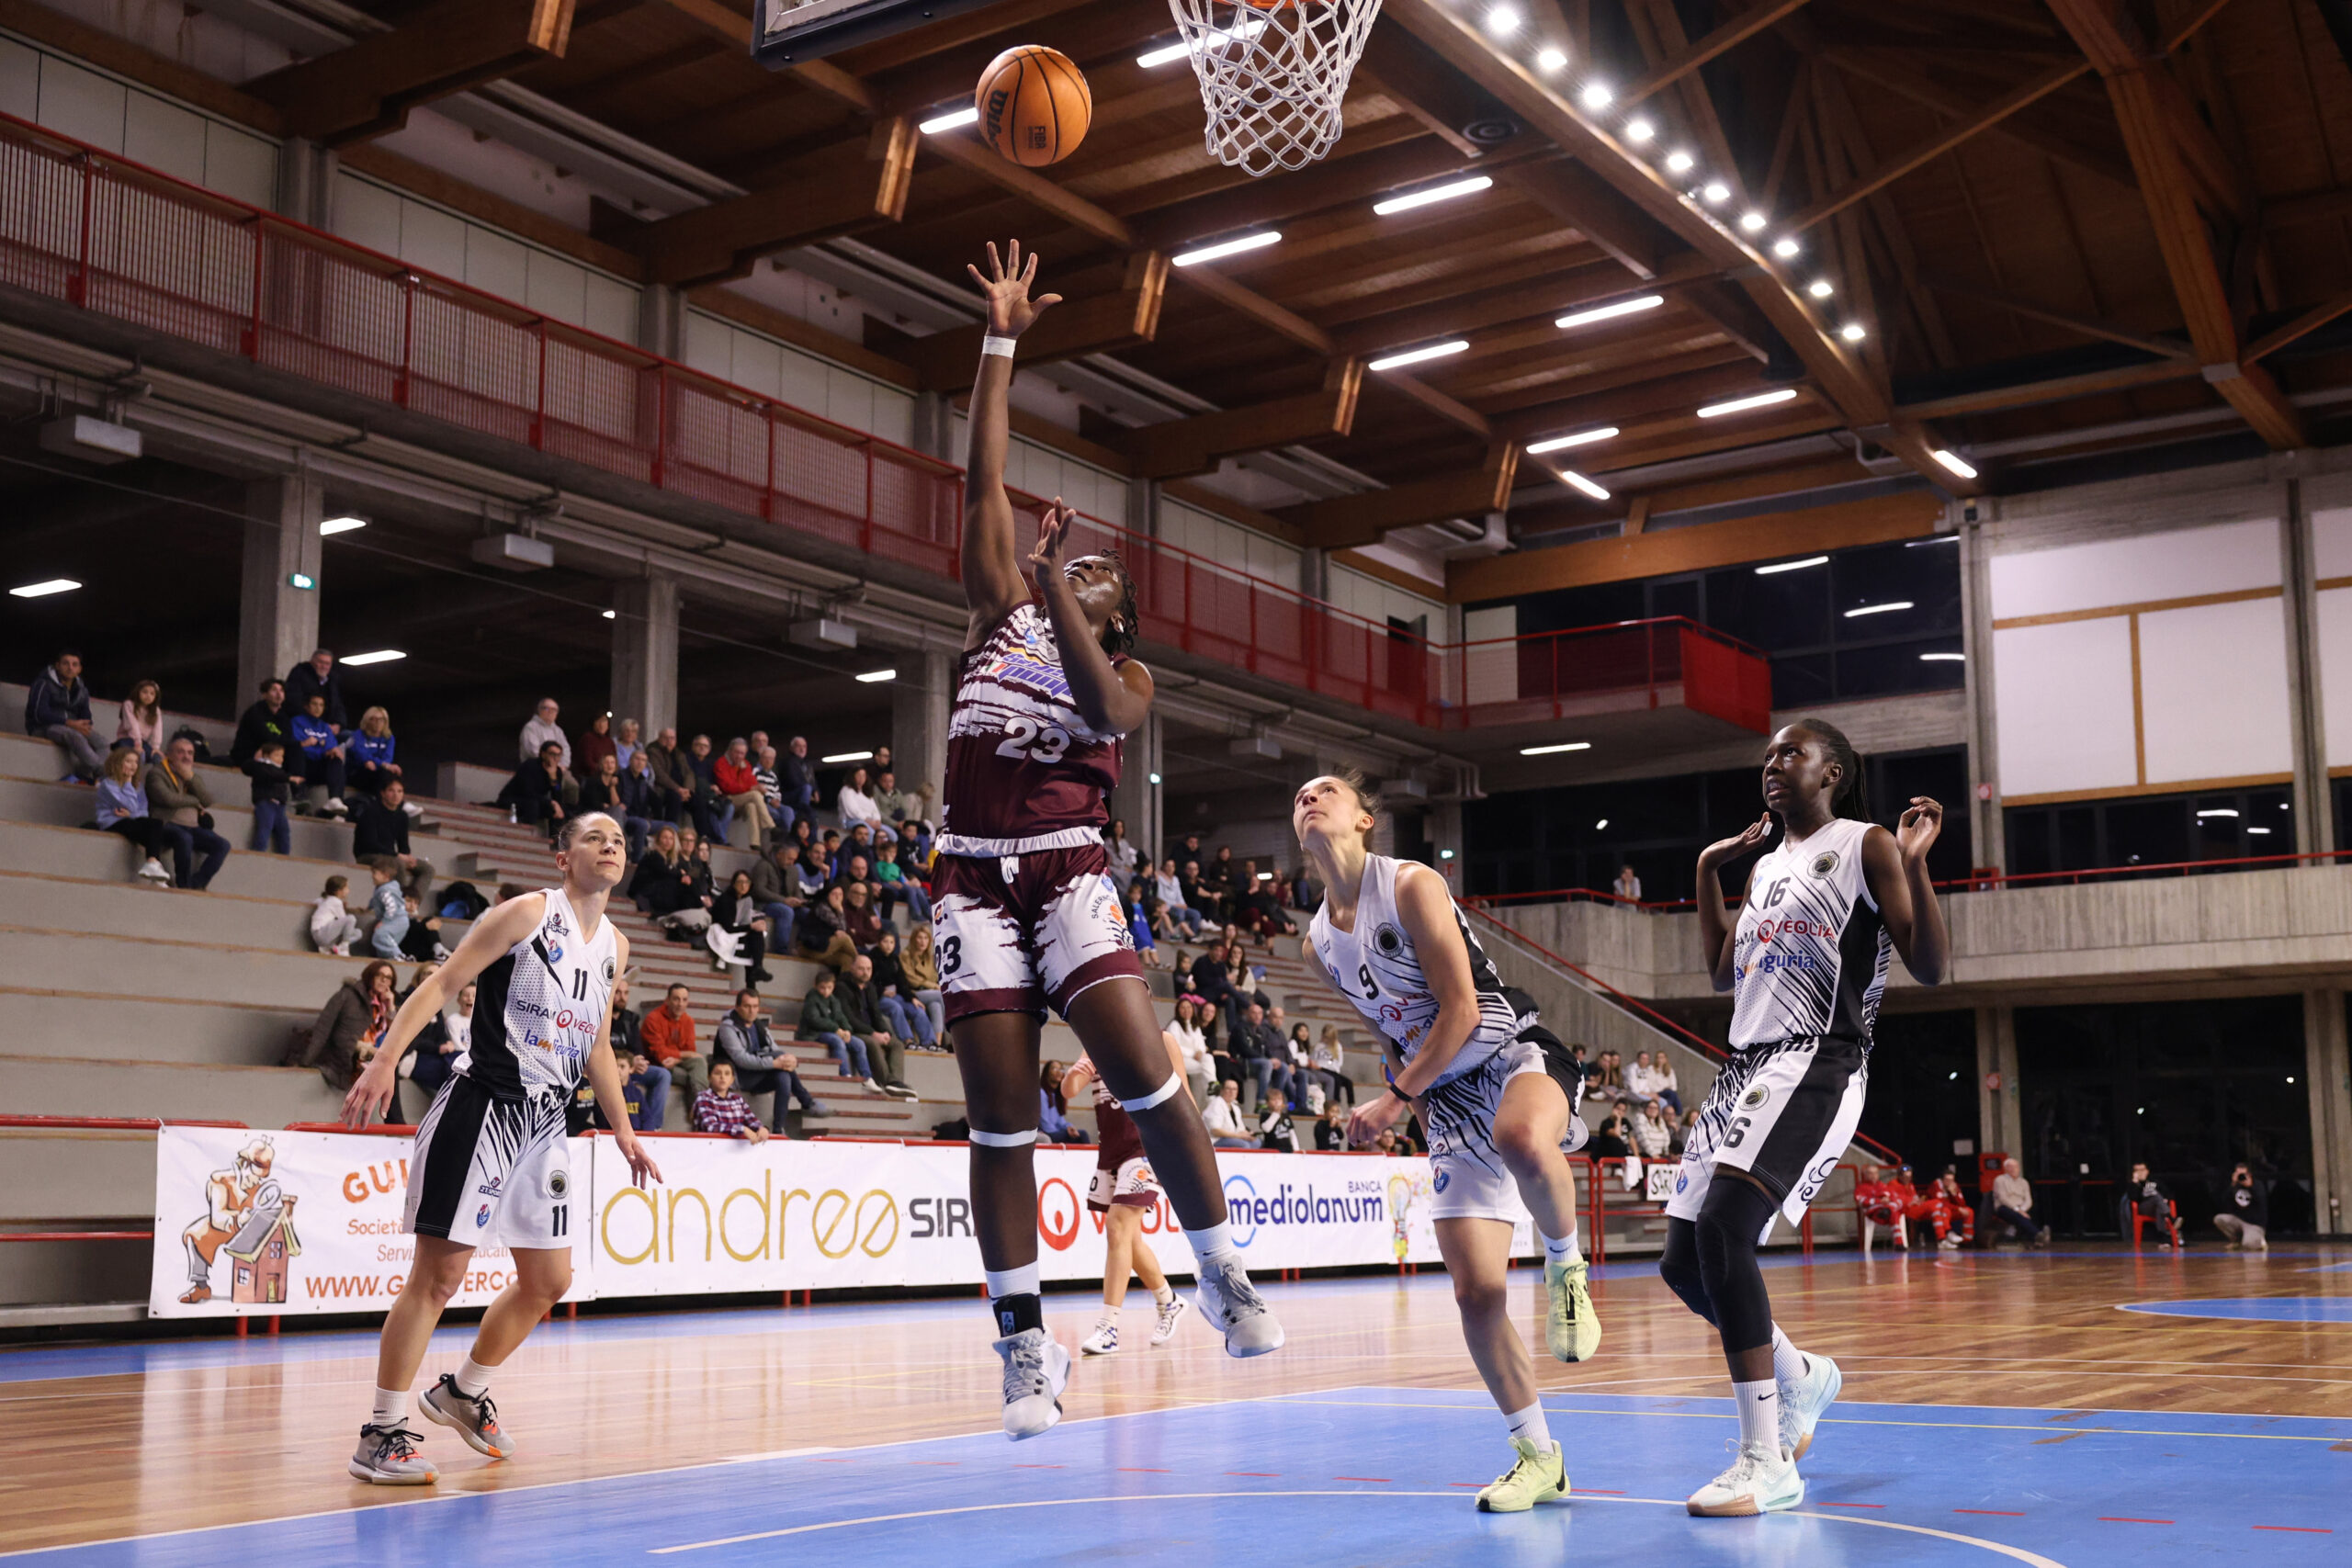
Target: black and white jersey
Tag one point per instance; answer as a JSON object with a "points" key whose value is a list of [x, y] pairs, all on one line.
{"points": [[1810, 956], [1375, 968], [539, 1009]]}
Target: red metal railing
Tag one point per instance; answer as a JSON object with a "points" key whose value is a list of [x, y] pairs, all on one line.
{"points": [[109, 235]]}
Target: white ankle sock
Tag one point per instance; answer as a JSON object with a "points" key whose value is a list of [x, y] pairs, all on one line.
{"points": [[1163, 1296], [391, 1407], [1760, 1413], [1562, 1250], [1789, 1364], [1110, 1318], [1020, 1282], [1530, 1424], [472, 1377], [1212, 1244]]}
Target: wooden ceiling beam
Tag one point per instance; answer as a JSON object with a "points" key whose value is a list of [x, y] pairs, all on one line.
{"points": [[367, 90], [1424, 86], [1691, 56], [971, 27], [1100, 323], [1534, 409], [1088, 34], [2106, 330], [1575, 194], [1181, 447], [1339, 181], [1879, 68], [2309, 322], [1446, 407], [2055, 389], [1349, 519]]}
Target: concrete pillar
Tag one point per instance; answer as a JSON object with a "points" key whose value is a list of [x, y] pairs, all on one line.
{"points": [[933, 431], [661, 321], [1143, 508], [277, 615], [918, 701], [2328, 1064], [1989, 839], [1315, 573], [2314, 814], [306, 180], [1443, 822], [1136, 801], [2000, 1119], [645, 653]]}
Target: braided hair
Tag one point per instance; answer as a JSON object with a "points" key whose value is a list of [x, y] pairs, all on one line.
{"points": [[1119, 632], [1850, 798]]}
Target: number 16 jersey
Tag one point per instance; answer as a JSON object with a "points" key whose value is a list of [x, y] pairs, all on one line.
{"points": [[1022, 764], [1810, 956]]}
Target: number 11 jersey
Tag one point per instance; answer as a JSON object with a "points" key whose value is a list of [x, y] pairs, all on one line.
{"points": [[1022, 762]]}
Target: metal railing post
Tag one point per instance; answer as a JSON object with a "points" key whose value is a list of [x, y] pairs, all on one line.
{"points": [[408, 337], [77, 287]]}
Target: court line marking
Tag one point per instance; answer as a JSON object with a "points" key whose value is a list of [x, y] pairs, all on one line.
{"points": [[2032, 1558]]}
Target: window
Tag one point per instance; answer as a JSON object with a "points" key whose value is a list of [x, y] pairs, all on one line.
{"points": [[2229, 825]]}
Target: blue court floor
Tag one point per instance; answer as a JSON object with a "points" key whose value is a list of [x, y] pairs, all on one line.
{"points": [[1379, 1475]]}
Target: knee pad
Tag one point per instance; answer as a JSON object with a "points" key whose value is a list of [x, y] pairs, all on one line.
{"points": [[1679, 1268], [1730, 1221]]}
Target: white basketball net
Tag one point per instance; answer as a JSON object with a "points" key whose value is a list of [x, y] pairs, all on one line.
{"points": [[1272, 73]]}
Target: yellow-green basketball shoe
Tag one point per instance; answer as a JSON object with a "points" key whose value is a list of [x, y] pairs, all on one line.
{"points": [[1538, 1476], [1571, 1328]]}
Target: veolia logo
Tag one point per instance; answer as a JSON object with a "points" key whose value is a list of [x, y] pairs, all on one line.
{"points": [[1058, 1211]]}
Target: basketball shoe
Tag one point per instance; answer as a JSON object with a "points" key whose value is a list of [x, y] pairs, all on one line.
{"points": [[1103, 1341], [1571, 1327], [474, 1419], [1538, 1476], [1803, 1400], [1037, 1369], [1229, 1301], [1762, 1480], [1170, 1309], [388, 1456]]}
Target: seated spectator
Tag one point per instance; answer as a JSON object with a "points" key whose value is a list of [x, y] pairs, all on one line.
{"points": [[710, 812], [2146, 1195], [1298, 1047], [772, 790], [1627, 887], [1263, 1052], [862, 998], [355, 1016], [745, 1043], [887, 798], [369, 752], [1331, 1132], [317, 674], [422, 940], [1306, 891], [380, 828], [908, 1019], [122, 810], [1121, 853], [272, 793], [57, 708], [441, 1042], [542, 793], [141, 722], [668, 1035], [268, 719], [1054, 1125], [1258, 908], [737, 786], [1139, 930], [622, 796], [825, 1018], [2013, 1203], [1332, 1061], [1275, 1129], [1668, 1089], [542, 731], [1953, 1211], [1608, 1078], [322, 751], [719, 1109], [1878, 1203], [673, 779], [588, 756], [918, 972], [1614, 1139], [1653, 1132], [2245, 1219], [1184, 1038], [1924, 1214], [775, 896], [626, 745], [820, 931], [1641, 1079], [737, 912], [855, 801], [861, 919], [177, 797], [894, 886], [1222, 1115], [333, 928], [797, 778]]}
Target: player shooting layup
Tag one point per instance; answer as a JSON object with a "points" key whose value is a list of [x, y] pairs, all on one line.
{"points": [[1497, 1097], [1023, 913]]}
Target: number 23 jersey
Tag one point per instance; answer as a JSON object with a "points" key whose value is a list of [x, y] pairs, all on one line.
{"points": [[1021, 760], [1810, 957]]}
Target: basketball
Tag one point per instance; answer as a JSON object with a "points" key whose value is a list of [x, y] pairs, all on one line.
{"points": [[1035, 104]]}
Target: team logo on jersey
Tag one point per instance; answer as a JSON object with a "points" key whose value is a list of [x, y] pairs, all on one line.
{"points": [[557, 1182], [482, 1218], [556, 925], [1755, 1096], [1388, 940], [490, 1189], [555, 952], [608, 971], [1825, 863], [1437, 1182]]}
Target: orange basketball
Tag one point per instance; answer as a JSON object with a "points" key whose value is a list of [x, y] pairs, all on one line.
{"points": [[1035, 104]]}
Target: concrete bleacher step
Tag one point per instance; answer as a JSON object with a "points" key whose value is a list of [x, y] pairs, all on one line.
{"points": [[47, 850], [24, 799], [80, 1086], [162, 1029], [75, 1173]]}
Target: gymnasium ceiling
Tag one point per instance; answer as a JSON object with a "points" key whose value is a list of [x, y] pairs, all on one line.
{"points": [[2062, 229]]}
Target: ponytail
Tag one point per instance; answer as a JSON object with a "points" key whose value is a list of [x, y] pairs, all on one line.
{"points": [[1852, 798]]}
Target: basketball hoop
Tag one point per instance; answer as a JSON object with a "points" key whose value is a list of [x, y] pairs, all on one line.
{"points": [[1272, 73]]}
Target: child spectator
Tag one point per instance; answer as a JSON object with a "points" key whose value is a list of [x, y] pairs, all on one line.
{"points": [[908, 1019], [1274, 1128], [322, 757], [719, 1109], [332, 926], [1331, 1132], [141, 722], [896, 885], [389, 908], [57, 708], [422, 942], [1139, 930], [272, 793], [368, 753], [123, 809]]}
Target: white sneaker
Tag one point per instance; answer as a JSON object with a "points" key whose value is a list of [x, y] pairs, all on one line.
{"points": [[1950, 1244], [1170, 1309], [1761, 1480], [1037, 1369], [1103, 1341], [1234, 1306], [876, 1087], [154, 871], [334, 807], [1803, 1402]]}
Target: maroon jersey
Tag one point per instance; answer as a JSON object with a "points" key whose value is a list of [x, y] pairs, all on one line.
{"points": [[1022, 764]]}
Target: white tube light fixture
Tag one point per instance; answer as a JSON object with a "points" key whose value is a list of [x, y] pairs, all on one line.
{"points": [[1415, 356], [1879, 609], [1549, 750], [1782, 565], [380, 656], [1956, 462], [1614, 309], [1581, 438], [1234, 247], [969, 115], [871, 676], [1447, 192], [848, 757], [44, 589], [1741, 405], [1577, 482], [329, 526]]}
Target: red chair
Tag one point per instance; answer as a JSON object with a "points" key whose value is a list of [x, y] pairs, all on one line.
{"points": [[2140, 1220]]}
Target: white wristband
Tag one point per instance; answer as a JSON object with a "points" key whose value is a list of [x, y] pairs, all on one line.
{"points": [[994, 344]]}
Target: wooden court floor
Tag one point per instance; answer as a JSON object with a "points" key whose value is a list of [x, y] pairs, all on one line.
{"points": [[107, 1442]]}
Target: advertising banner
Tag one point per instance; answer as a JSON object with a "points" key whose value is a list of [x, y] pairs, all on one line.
{"points": [[259, 1223]]}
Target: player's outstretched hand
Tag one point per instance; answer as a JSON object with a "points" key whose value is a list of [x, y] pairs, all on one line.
{"points": [[370, 1092], [641, 1167], [1053, 534], [1006, 284], [1919, 829], [1723, 849], [1374, 1117]]}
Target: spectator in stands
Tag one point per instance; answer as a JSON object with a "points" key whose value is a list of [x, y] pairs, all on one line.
{"points": [[1306, 891], [737, 911], [797, 777], [542, 793], [380, 828], [1184, 921], [668, 1033], [1876, 1201], [2013, 1202], [1257, 907], [57, 708], [710, 813], [2146, 1195], [268, 719], [1332, 1061], [333, 928], [1120, 851], [744, 1041], [887, 798], [1196, 894], [360, 1012], [176, 794], [772, 891], [660, 884], [673, 781], [695, 852], [772, 790], [1276, 1132], [1139, 929], [272, 793], [918, 972], [1332, 1130], [1298, 1053], [614, 793], [441, 1042], [855, 800], [862, 999], [1223, 1117], [321, 674], [141, 722], [1653, 1130], [323, 753], [1953, 1211], [1627, 887], [369, 752], [737, 786], [626, 745], [1184, 1036], [1054, 1125], [860, 917], [820, 931], [1212, 983], [1614, 1139], [389, 909], [824, 1018], [2245, 1219], [588, 756], [1608, 1078], [908, 1019], [541, 730], [896, 886], [719, 1109], [1261, 1052], [123, 809]]}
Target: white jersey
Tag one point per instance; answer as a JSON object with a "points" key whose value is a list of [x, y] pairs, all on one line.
{"points": [[539, 1009], [1810, 955], [1375, 967]]}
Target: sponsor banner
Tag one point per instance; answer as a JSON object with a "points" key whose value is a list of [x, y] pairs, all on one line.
{"points": [[259, 1223]]}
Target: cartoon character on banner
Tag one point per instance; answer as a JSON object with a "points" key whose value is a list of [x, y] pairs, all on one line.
{"points": [[249, 1216], [1402, 1191]]}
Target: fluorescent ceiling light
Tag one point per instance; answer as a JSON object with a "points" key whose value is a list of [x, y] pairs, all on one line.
{"points": [[1435, 193], [1581, 438], [1820, 288], [1938, 539], [1943, 659], [612, 615], [1604, 312], [1879, 609], [848, 757], [1597, 95], [43, 590], [340, 525], [1548, 750], [1852, 332], [1179, 49], [2219, 811], [1551, 58], [1741, 405], [1752, 222], [871, 676], [1597, 827], [1781, 566], [1257, 241], [1639, 130], [969, 114], [1570, 477], [1785, 247], [1679, 161], [1502, 21], [1716, 191], [2264, 830], [1415, 356], [1956, 462], [381, 655]]}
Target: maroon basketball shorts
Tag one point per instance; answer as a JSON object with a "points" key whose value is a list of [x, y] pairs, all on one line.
{"points": [[1018, 931], [1122, 1177]]}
